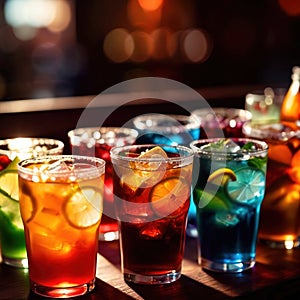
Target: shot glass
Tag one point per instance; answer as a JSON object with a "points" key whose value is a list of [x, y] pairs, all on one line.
{"points": [[12, 150], [95, 141], [228, 195], [222, 122], [170, 130], [61, 199], [280, 211], [152, 187]]}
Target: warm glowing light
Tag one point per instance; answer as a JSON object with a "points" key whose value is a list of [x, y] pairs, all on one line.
{"points": [[141, 18], [34, 13], [161, 37], [62, 16], [118, 45], [288, 244], [196, 46], [150, 5], [143, 45], [290, 7]]}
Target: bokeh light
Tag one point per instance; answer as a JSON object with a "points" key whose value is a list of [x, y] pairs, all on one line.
{"points": [[196, 45], [143, 46], [118, 45], [150, 5]]}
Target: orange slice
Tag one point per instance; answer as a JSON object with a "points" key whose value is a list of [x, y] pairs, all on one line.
{"points": [[84, 208], [169, 197]]}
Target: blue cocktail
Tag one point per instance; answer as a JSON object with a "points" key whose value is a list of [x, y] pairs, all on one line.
{"points": [[228, 196]]}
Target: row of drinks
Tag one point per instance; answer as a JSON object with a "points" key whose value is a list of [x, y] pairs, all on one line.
{"points": [[146, 198]]}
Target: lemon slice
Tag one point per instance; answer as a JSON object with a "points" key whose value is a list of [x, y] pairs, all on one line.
{"points": [[248, 187], [84, 208], [221, 176], [145, 172], [9, 181], [156, 153], [169, 196]]}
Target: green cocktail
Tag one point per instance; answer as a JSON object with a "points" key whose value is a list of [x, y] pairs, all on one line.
{"points": [[12, 239]]}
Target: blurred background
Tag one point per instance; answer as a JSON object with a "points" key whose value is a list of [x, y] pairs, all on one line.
{"points": [[57, 48]]}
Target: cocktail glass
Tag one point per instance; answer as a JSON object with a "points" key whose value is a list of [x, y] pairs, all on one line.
{"points": [[228, 196], [221, 121], [95, 141], [61, 199], [280, 211], [265, 105], [12, 150], [152, 187], [170, 130]]}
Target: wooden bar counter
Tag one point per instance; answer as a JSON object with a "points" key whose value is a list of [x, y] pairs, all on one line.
{"points": [[276, 275]]}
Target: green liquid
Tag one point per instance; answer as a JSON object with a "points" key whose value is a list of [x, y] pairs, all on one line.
{"points": [[12, 238]]}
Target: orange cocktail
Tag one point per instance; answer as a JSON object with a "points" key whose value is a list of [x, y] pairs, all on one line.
{"points": [[61, 207], [280, 211]]}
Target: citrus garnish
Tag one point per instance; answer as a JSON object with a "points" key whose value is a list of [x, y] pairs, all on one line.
{"points": [[148, 171], [249, 185], [9, 181], [210, 200], [168, 197], [84, 208], [221, 176]]}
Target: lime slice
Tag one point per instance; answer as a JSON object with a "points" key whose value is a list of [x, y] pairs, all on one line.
{"points": [[210, 200], [9, 180], [84, 208], [248, 187], [221, 176], [169, 196]]}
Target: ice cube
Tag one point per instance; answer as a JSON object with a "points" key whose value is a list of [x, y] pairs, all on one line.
{"points": [[231, 146], [58, 166], [226, 219], [223, 145], [153, 230]]}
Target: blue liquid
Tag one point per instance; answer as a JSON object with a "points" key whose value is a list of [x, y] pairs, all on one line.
{"points": [[228, 213], [228, 237]]}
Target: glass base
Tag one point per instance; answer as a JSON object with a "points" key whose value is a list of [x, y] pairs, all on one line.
{"points": [[17, 263], [109, 236], [62, 292], [152, 279], [287, 244], [227, 267]]}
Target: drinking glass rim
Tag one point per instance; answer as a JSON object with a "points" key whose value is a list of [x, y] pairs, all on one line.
{"points": [[130, 133], [264, 147], [260, 131], [99, 165], [114, 153], [243, 114], [137, 122], [39, 141]]}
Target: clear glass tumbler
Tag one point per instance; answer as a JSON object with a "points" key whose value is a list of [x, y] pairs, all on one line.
{"points": [[280, 211], [61, 203], [228, 196], [152, 187]]}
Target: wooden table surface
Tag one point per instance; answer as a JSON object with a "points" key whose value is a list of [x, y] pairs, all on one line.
{"points": [[276, 275]]}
